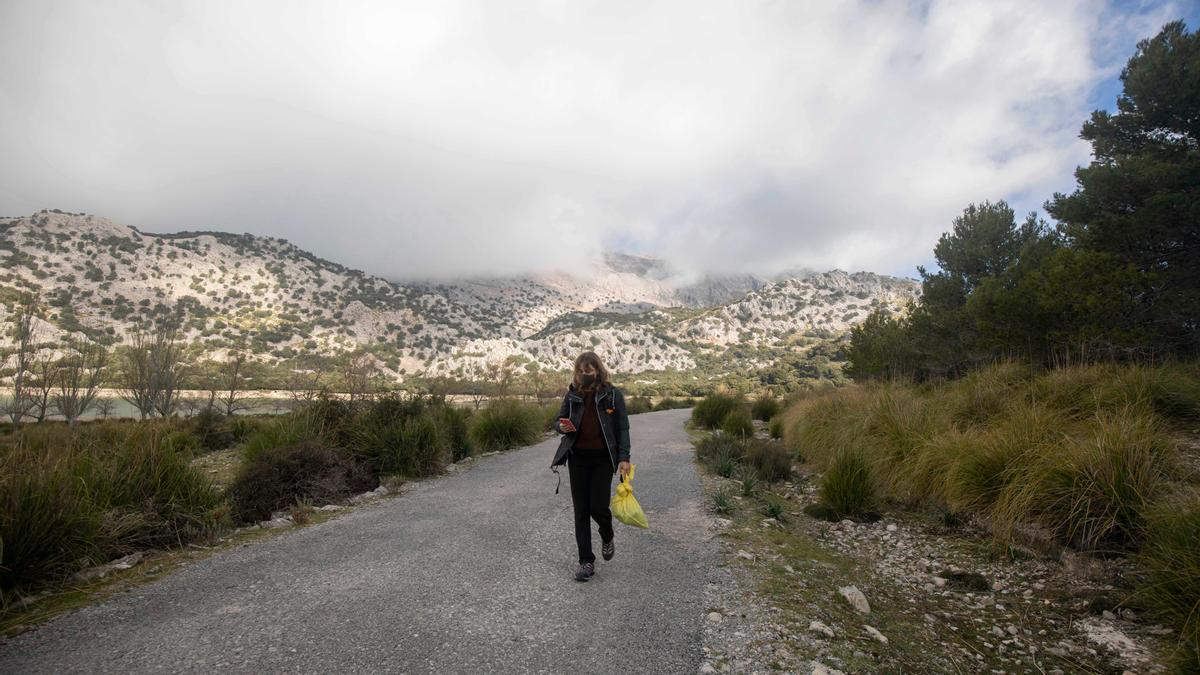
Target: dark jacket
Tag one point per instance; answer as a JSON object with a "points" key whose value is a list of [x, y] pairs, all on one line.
{"points": [[614, 423]]}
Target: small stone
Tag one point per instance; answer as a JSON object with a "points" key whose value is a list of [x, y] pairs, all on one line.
{"points": [[822, 669], [997, 631], [1108, 615], [822, 629], [722, 523], [876, 634], [746, 555], [939, 581], [892, 527], [714, 617], [707, 668], [856, 599], [1013, 630]]}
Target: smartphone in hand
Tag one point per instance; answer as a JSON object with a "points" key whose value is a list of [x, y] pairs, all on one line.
{"points": [[565, 424]]}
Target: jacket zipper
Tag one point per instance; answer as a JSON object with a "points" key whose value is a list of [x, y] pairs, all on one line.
{"points": [[608, 446]]}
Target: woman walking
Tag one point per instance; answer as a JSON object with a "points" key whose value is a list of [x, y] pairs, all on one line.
{"points": [[595, 443]]}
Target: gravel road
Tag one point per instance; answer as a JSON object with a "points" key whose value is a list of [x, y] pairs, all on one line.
{"points": [[466, 573]]}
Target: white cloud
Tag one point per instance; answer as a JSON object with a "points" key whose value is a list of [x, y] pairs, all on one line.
{"points": [[477, 137]]}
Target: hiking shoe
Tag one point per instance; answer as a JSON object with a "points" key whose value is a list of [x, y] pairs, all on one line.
{"points": [[608, 549], [585, 571]]}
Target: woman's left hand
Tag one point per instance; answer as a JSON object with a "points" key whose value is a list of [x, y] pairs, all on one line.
{"points": [[623, 468]]}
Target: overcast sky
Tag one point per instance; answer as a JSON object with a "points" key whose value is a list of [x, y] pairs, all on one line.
{"points": [[471, 138]]}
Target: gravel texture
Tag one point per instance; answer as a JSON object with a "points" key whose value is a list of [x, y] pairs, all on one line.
{"points": [[470, 572]]}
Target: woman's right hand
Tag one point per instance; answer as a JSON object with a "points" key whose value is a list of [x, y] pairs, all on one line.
{"points": [[565, 424]]}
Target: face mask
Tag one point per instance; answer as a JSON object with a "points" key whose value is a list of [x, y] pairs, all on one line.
{"points": [[587, 380]]}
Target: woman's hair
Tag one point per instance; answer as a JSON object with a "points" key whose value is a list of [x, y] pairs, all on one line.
{"points": [[602, 375]]}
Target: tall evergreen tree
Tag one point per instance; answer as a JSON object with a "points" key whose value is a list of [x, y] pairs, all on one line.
{"points": [[1139, 199]]}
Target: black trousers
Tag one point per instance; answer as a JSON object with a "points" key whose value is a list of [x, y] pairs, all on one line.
{"points": [[591, 483]]}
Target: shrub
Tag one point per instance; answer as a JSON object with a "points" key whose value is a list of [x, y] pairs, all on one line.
{"points": [[1171, 588], [454, 424], [711, 411], [722, 501], [848, 486], [506, 424], [48, 524], [75, 497], [1094, 491], [775, 428], [277, 477], [773, 506], [210, 429], [638, 405], [738, 424], [720, 453], [748, 478], [394, 435], [672, 403], [765, 407], [241, 428], [771, 460], [282, 431]]}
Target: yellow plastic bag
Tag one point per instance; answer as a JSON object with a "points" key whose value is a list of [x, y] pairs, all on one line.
{"points": [[625, 506]]}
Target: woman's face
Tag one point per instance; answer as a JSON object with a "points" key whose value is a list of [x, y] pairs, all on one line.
{"points": [[587, 369]]}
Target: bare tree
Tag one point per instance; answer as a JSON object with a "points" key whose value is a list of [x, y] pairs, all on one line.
{"points": [[24, 334], [168, 369], [153, 370], [137, 380], [306, 386], [105, 406], [477, 395], [504, 377], [45, 376], [358, 375], [233, 385], [80, 376]]}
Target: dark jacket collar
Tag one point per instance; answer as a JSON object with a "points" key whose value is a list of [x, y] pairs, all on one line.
{"points": [[601, 391]]}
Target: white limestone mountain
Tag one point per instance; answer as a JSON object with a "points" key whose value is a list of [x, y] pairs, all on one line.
{"points": [[282, 303]]}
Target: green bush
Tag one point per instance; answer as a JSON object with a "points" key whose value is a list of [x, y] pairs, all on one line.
{"points": [[748, 478], [639, 405], [210, 428], [765, 407], [773, 506], [48, 523], [771, 460], [1171, 589], [408, 436], [720, 453], [775, 428], [711, 411], [722, 501], [76, 497], [283, 431], [848, 486], [278, 477], [672, 403], [1095, 490], [242, 427], [738, 424], [506, 424], [455, 423]]}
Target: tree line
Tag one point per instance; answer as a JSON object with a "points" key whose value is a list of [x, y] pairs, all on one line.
{"points": [[1117, 277]]}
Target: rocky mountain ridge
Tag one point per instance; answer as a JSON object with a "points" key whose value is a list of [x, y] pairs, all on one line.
{"points": [[268, 296]]}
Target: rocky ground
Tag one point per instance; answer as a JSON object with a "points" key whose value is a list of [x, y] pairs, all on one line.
{"points": [[909, 593]]}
